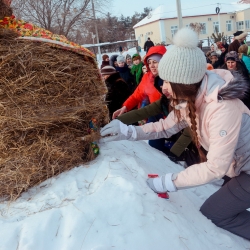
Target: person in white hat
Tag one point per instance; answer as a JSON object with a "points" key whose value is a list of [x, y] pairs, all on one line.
{"points": [[207, 101]]}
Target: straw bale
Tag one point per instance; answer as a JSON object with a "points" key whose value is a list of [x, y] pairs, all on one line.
{"points": [[48, 96]]}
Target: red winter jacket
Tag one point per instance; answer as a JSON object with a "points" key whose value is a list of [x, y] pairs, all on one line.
{"points": [[146, 87]]}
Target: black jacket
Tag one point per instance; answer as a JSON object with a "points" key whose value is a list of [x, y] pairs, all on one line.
{"points": [[126, 76], [118, 92], [112, 59], [148, 44]]}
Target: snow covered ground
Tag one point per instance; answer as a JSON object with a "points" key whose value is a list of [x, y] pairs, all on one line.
{"points": [[106, 205]]}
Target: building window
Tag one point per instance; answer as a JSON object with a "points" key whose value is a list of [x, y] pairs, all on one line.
{"points": [[174, 30], [240, 25], [216, 26], [229, 25], [247, 23], [204, 28]]}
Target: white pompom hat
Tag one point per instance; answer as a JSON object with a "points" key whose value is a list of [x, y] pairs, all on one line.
{"points": [[184, 63]]}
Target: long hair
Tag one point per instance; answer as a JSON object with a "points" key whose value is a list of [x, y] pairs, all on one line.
{"points": [[188, 92]]}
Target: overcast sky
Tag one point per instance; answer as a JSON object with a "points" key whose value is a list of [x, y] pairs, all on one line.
{"points": [[129, 7]]}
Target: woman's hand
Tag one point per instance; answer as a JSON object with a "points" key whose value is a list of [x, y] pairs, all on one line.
{"points": [[119, 112], [162, 184], [117, 131]]}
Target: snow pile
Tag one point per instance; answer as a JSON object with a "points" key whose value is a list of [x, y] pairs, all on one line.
{"points": [[107, 205]]}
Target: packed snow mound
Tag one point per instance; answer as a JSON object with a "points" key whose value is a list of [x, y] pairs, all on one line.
{"points": [[106, 204]]}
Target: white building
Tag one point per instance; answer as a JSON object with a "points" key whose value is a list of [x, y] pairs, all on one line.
{"points": [[162, 23]]}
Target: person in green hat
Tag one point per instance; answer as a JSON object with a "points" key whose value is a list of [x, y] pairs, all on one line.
{"points": [[136, 69]]}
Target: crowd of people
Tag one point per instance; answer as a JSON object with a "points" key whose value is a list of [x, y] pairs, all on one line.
{"points": [[195, 108], [122, 75]]}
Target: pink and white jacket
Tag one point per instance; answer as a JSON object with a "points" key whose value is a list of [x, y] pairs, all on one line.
{"points": [[223, 128]]}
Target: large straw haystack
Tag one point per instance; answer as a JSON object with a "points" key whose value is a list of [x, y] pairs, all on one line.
{"points": [[48, 96]]}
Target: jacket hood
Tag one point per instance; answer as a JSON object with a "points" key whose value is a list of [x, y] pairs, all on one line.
{"points": [[112, 59], [158, 49], [219, 84]]}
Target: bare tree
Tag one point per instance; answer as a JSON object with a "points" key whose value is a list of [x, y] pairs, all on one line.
{"points": [[197, 27], [218, 37], [64, 17]]}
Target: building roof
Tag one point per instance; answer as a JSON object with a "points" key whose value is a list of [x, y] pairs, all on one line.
{"points": [[107, 43], [169, 11]]}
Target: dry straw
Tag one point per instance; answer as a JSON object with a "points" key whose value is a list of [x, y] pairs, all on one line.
{"points": [[47, 98]]}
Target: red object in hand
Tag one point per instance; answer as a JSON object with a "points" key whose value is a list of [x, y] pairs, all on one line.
{"points": [[153, 175], [164, 196]]}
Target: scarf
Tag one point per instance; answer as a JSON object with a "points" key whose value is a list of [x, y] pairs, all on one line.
{"points": [[137, 71]]}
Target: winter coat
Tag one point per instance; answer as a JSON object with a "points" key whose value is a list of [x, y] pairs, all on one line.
{"points": [[104, 64], [155, 109], [126, 76], [216, 64], [118, 92], [246, 60], [222, 57], [243, 76], [145, 90], [220, 62], [148, 45], [112, 59], [234, 46], [223, 128], [146, 87]]}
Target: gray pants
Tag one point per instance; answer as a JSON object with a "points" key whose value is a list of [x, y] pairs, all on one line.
{"points": [[227, 207]]}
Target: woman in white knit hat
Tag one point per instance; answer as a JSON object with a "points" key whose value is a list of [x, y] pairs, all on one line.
{"points": [[208, 103]]}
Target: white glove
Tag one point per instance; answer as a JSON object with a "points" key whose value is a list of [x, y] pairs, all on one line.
{"points": [[162, 184], [117, 131]]}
